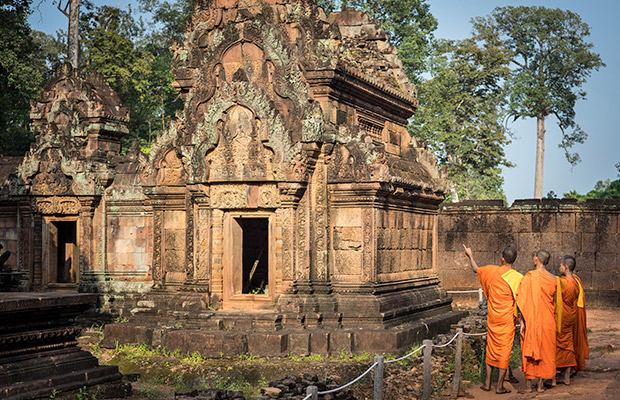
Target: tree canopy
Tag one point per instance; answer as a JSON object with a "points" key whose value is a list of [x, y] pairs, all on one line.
{"points": [[460, 117], [22, 75], [552, 60], [136, 62], [606, 189]]}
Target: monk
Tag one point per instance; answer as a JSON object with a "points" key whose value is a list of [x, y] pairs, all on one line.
{"points": [[535, 299], [499, 284], [580, 331], [565, 349]]}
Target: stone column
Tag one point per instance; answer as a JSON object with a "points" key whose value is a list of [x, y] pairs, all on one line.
{"points": [[202, 232], [86, 234]]}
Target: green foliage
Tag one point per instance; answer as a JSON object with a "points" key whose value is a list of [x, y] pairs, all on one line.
{"points": [[136, 64], [311, 357], [553, 60], [460, 116], [327, 5], [606, 189], [22, 74], [408, 23], [172, 17], [410, 26]]}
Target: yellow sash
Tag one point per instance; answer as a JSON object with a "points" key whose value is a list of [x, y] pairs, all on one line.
{"points": [[580, 299], [513, 278], [559, 305]]}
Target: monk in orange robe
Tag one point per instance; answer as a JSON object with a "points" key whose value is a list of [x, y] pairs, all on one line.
{"points": [[500, 285], [535, 299], [580, 331], [565, 349]]}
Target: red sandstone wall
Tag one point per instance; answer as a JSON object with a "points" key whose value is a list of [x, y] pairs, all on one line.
{"points": [[589, 231]]}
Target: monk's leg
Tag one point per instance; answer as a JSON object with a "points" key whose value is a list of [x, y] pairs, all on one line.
{"points": [[567, 375], [487, 382], [500, 382], [553, 382], [540, 387], [527, 388]]}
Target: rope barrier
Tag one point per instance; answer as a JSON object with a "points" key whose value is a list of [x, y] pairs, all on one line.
{"points": [[350, 383], [475, 334], [438, 346], [405, 356], [462, 291], [308, 397]]}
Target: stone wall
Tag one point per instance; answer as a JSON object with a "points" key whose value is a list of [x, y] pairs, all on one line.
{"points": [[589, 231]]}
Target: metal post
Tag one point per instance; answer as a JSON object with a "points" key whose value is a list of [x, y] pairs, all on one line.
{"points": [[314, 391], [480, 296], [428, 351], [456, 382], [379, 360]]}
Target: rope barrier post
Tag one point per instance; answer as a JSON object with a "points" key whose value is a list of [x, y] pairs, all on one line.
{"points": [[456, 382], [480, 296], [428, 351], [378, 378], [313, 392]]}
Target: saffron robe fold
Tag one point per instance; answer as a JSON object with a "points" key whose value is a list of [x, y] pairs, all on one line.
{"points": [[580, 331], [535, 300], [495, 281], [565, 349]]}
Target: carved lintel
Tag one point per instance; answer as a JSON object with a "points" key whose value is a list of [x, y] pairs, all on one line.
{"points": [[56, 205]]}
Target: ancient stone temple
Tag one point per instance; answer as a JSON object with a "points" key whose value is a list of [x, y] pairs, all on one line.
{"points": [[285, 210]]}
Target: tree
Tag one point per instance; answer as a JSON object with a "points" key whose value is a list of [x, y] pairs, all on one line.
{"points": [[410, 26], [136, 65], [552, 61], [21, 76], [460, 117], [606, 189]]}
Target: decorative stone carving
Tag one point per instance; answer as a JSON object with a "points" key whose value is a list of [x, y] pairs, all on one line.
{"points": [[56, 205], [229, 196], [269, 197]]}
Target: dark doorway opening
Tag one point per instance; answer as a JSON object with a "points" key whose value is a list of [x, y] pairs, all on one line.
{"points": [[255, 255], [66, 251]]}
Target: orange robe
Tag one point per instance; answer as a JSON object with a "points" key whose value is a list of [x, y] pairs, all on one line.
{"points": [[565, 350], [580, 331], [535, 300], [500, 316]]}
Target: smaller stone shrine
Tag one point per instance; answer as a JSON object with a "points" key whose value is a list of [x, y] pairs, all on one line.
{"points": [[38, 348]]}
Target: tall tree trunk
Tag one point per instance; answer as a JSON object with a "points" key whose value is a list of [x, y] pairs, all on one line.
{"points": [[540, 156], [73, 40], [454, 193]]}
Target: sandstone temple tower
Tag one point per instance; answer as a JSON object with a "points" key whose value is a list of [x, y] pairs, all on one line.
{"points": [[286, 205]]}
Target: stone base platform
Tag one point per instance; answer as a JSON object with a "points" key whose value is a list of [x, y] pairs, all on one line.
{"points": [[218, 343], [38, 348]]}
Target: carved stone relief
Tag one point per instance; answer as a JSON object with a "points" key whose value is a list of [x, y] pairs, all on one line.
{"points": [[56, 205]]}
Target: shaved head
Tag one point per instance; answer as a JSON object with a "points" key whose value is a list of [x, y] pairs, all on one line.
{"points": [[543, 256], [570, 262], [509, 254]]}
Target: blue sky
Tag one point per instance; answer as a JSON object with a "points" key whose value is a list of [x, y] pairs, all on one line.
{"points": [[599, 153]]}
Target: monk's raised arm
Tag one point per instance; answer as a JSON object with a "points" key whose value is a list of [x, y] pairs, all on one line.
{"points": [[469, 255]]}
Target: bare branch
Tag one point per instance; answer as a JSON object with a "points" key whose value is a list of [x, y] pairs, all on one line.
{"points": [[64, 10]]}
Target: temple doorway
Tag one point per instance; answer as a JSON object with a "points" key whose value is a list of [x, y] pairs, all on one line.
{"points": [[61, 254], [255, 255], [248, 270]]}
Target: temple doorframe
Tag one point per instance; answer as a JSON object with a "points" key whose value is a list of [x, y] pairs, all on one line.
{"points": [[232, 263], [49, 234]]}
